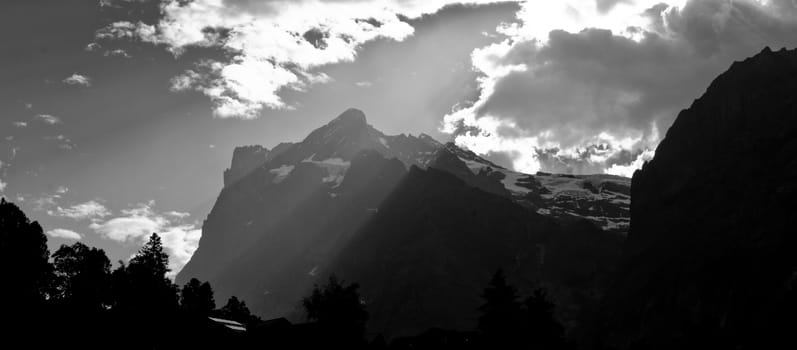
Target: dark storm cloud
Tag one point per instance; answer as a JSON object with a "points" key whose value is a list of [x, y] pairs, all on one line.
{"points": [[597, 80], [577, 86], [582, 162]]}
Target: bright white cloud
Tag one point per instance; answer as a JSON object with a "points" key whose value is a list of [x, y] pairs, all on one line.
{"points": [[46, 201], [77, 79], [136, 224], [584, 86], [3, 186], [629, 169], [116, 53], [274, 45], [63, 142], [177, 214], [64, 234], [20, 124], [88, 210], [47, 118]]}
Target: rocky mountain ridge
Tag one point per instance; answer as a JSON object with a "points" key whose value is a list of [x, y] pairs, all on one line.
{"points": [[709, 261], [298, 214]]}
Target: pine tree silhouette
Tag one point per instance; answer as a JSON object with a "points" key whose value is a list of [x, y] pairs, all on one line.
{"points": [[501, 322], [237, 310], [145, 299], [338, 311], [197, 298], [544, 329]]}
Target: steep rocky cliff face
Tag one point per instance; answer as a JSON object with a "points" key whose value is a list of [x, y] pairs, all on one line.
{"points": [[244, 160], [711, 258], [289, 217]]}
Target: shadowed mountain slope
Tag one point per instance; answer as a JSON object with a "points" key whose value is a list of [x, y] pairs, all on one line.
{"points": [[710, 258], [286, 218], [424, 258]]}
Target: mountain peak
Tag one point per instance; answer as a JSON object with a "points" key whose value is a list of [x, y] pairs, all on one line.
{"points": [[245, 160], [351, 115]]}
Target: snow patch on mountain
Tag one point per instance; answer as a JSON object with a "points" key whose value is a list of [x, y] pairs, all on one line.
{"points": [[281, 173], [510, 182], [601, 199], [335, 167]]}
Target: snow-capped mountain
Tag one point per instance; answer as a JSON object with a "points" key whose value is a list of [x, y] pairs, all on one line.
{"points": [[601, 199], [300, 211]]}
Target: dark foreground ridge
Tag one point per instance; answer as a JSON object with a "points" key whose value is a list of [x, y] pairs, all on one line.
{"points": [[710, 259]]}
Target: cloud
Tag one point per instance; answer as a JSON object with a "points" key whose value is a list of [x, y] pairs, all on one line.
{"points": [[3, 184], [117, 3], [116, 53], [20, 124], [77, 79], [88, 210], [177, 214], [272, 46], [583, 88], [47, 118], [136, 224], [64, 234], [46, 201], [63, 142]]}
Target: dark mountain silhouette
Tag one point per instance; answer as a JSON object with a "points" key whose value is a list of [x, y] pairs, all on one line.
{"points": [[280, 228], [424, 257], [710, 258]]}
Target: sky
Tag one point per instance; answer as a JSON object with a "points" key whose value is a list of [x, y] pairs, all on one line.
{"points": [[118, 117]]}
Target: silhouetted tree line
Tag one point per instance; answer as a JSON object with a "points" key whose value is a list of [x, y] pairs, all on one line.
{"points": [[73, 297], [506, 321]]}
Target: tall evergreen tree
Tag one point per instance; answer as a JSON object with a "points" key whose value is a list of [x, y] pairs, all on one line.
{"points": [[501, 322], [142, 287], [151, 259], [338, 309], [145, 299], [544, 329], [197, 298], [236, 310]]}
